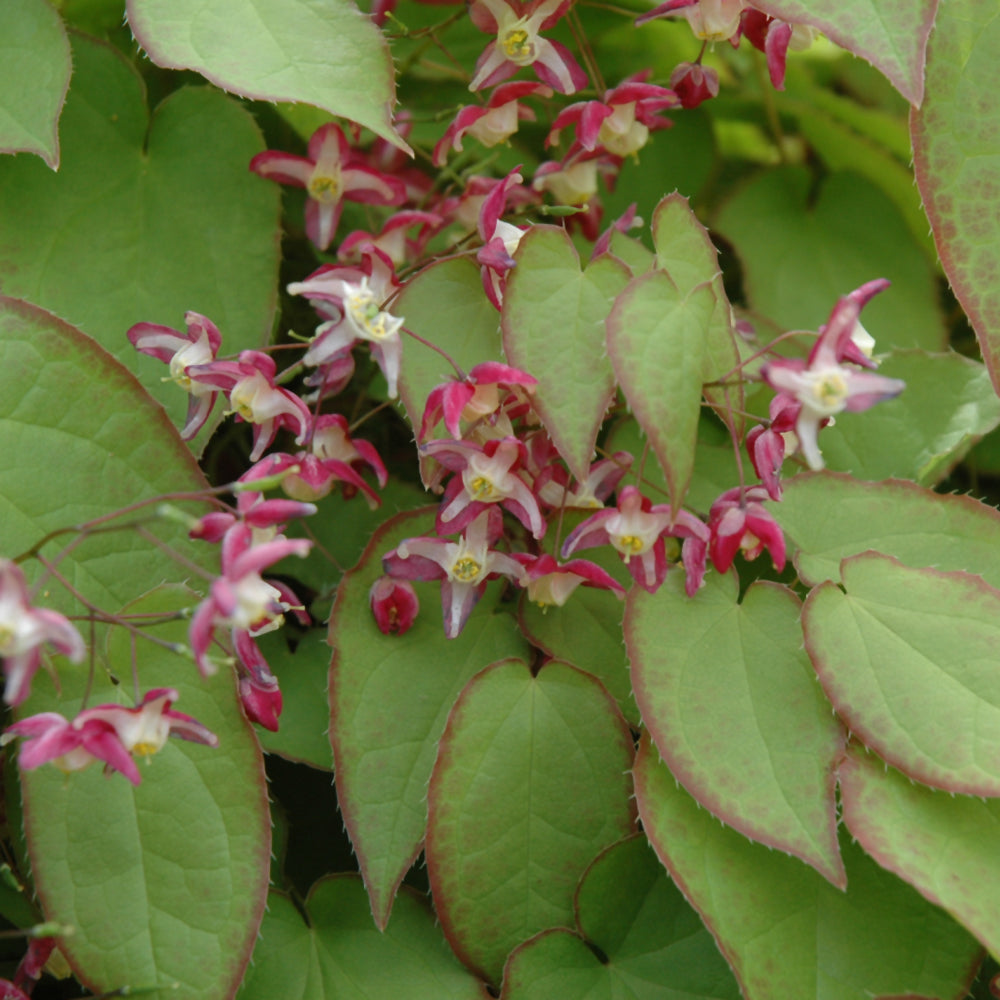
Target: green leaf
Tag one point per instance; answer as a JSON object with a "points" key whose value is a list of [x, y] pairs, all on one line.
{"points": [[389, 699], [685, 251], [786, 932], [79, 448], [944, 845], [553, 328], [956, 151], [657, 340], [340, 955], [948, 404], [801, 253], [653, 944], [531, 782], [732, 703], [446, 305], [828, 516], [305, 715], [892, 34], [34, 75], [144, 220], [587, 632], [322, 52], [908, 656]]}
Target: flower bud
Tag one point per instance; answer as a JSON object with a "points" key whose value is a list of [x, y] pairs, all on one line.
{"points": [[394, 604], [694, 83]]}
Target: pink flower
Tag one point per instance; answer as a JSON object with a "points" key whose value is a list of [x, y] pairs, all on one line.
{"points": [[392, 239], [739, 522], [24, 630], [198, 346], [495, 122], [636, 528], [394, 605], [463, 567], [710, 20], [330, 173], [253, 397], [500, 239], [110, 733], [821, 385], [549, 582], [694, 83], [775, 38], [518, 44]]}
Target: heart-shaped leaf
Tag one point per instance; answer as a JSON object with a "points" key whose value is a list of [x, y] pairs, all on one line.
{"points": [[828, 517], [955, 151], [944, 845], [322, 52], [908, 658], [786, 932], [553, 328], [340, 955], [389, 699], [530, 783], [145, 220], [731, 702], [34, 74]]}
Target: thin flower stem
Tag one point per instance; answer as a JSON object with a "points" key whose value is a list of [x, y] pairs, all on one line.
{"points": [[439, 350], [174, 554], [583, 44], [721, 380], [371, 413]]}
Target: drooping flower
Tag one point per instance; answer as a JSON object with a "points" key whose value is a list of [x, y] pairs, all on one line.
{"points": [[823, 385], [394, 605], [775, 38], [113, 734], [198, 346], [549, 582], [518, 44], [463, 567], [694, 84], [330, 173], [739, 522], [710, 20], [24, 630]]}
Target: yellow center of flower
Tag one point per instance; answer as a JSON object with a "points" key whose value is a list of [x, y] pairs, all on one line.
{"points": [[483, 489], [6, 639], [324, 188], [518, 47], [145, 749], [466, 569], [630, 544], [830, 391]]}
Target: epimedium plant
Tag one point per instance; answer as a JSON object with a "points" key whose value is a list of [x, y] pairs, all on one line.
{"points": [[619, 337]]}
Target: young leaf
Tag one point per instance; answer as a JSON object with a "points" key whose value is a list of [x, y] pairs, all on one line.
{"points": [[828, 517], [553, 328], [949, 403], [531, 781], [781, 230], [732, 703], [322, 52], [944, 845], [908, 658], [786, 932], [340, 955], [389, 699], [685, 251], [628, 910], [34, 74], [955, 150], [890, 35], [141, 227], [658, 344]]}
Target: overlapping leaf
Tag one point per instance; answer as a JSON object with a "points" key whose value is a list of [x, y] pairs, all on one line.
{"points": [[145, 219], [956, 158], [731, 702], [553, 328], [786, 932], [322, 52], [829, 517], [908, 658], [531, 782], [340, 955], [34, 74], [891, 35], [389, 699], [658, 344], [650, 940], [106, 857], [944, 845]]}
